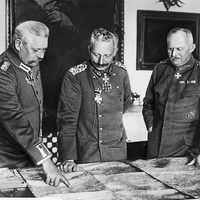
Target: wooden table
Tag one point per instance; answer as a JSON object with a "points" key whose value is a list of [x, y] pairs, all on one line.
{"points": [[167, 178]]}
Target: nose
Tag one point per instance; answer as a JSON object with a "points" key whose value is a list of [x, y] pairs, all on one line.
{"points": [[173, 52], [41, 54], [101, 60]]}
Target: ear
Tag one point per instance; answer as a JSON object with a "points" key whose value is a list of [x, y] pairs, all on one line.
{"points": [[18, 44], [89, 49], [192, 48], [115, 51]]}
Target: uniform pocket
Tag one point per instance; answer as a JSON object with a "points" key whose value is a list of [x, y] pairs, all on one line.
{"points": [[191, 90], [112, 135]]}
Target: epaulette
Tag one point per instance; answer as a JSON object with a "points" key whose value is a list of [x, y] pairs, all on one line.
{"points": [[163, 61], [5, 65], [78, 68], [119, 64]]}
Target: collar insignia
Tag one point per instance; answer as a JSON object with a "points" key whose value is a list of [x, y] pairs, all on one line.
{"points": [[29, 75]]}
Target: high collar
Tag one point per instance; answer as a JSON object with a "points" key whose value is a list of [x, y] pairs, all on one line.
{"points": [[98, 73], [14, 58], [186, 66]]}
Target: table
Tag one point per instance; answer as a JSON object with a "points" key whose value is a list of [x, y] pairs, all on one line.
{"points": [[166, 178]]}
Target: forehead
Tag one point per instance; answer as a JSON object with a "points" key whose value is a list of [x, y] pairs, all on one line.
{"points": [[103, 47], [39, 42], [178, 39]]}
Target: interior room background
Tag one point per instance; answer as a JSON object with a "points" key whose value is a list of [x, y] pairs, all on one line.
{"points": [[139, 78]]}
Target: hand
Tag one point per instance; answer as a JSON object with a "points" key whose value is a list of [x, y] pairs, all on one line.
{"points": [[53, 175], [193, 158], [195, 161], [56, 16], [67, 166]]}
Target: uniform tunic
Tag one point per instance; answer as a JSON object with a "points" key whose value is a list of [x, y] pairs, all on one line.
{"points": [[171, 107], [90, 114], [20, 113]]}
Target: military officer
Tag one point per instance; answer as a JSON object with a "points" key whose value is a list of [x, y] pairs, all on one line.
{"points": [[94, 96], [171, 103], [21, 102]]}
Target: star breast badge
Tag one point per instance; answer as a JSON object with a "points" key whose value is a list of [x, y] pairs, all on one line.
{"points": [[98, 98]]}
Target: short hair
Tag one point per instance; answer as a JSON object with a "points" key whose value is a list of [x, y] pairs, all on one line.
{"points": [[101, 34], [186, 31], [30, 27]]}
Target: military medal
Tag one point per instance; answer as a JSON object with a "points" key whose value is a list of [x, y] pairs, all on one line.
{"points": [[177, 75], [98, 97], [106, 86], [29, 78]]}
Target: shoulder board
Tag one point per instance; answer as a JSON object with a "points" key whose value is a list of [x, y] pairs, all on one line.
{"points": [[5, 65], [78, 68], [163, 61], [119, 64]]}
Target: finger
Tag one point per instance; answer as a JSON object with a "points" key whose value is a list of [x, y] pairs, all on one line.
{"points": [[56, 182], [62, 168], [192, 162], [52, 182], [48, 180], [74, 168], [65, 181], [70, 167], [198, 160], [58, 166], [66, 168]]}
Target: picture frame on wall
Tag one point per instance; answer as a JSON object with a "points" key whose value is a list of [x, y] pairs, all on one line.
{"points": [[152, 30]]}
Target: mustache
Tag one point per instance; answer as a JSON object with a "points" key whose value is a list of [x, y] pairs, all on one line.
{"points": [[174, 57], [33, 61], [100, 65]]}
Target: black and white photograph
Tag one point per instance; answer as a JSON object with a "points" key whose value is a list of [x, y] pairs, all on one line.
{"points": [[100, 99]]}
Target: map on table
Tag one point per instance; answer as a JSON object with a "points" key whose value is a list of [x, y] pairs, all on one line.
{"points": [[10, 179], [173, 172], [102, 181]]}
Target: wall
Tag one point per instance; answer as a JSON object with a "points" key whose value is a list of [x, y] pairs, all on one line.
{"points": [[2, 25], [139, 79]]}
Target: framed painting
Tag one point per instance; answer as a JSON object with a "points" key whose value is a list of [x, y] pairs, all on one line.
{"points": [[152, 30], [71, 23]]}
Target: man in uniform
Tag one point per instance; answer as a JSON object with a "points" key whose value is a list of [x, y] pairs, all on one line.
{"points": [[21, 102], [171, 104], [93, 98]]}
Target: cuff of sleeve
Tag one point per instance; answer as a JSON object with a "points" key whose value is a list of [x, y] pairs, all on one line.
{"points": [[39, 153]]}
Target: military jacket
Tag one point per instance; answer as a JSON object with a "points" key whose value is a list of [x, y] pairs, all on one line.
{"points": [[20, 113], [90, 114], [171, 107]]}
